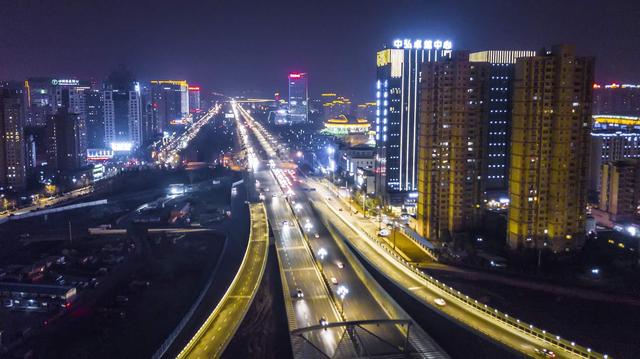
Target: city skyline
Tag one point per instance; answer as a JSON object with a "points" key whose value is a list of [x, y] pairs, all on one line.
{"points": [[297, 180], [263, 53]]}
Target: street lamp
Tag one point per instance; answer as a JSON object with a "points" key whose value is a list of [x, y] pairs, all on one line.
{"points": [[342, 293], [322, 253]]}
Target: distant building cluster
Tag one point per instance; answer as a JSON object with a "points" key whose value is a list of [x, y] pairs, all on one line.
{"points": [[54, 127]]}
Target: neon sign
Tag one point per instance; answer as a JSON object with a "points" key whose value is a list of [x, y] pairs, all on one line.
{"points": [[423, 44]]}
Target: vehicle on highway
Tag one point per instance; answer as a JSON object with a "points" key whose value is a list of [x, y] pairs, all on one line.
{"points": [[285, 223], [316, 235], [274, 195], [323, 321], [340, 265], [340, 209], [545, 353], [384, 232], [334, 280], [299, 293], [440, 302]]}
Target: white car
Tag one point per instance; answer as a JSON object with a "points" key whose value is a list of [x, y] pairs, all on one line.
{"points": [[334, 280], [440, 302], [323, 321], [340, 265], [299, 293], [285, 223], [384, 232]]}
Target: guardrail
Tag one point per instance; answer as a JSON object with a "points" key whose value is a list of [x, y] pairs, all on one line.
{"points": [[526, 328], [196, 338], [187, 317], [53, 210]]}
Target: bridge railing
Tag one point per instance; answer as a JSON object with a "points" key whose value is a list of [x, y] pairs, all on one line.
{"points": [[504, 318]]}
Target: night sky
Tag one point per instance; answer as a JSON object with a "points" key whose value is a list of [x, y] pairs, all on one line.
{"points": [[234, 45]]}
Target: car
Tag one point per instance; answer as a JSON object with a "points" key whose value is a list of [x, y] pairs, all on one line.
{"points": [[316, 235], [545, 353], [285, 223], [384, 232], [340, 265], [440, 302], [274, 195], [340, 209], [334, 280], [323, 321], [299, 293]]}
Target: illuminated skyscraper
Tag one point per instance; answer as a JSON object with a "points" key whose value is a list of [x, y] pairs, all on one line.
{"points": [[12, 148], [194, 99], [496, 126], [122, 111], [170, 101], [64, 151], [449, 157], [552, 101], [298, 97], [397, 109]]}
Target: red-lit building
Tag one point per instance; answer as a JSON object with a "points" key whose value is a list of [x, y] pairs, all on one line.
{"points": [[194, 99]]}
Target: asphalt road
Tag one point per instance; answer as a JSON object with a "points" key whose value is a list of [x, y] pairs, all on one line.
{"points": [[301, 272], [426, 293]]}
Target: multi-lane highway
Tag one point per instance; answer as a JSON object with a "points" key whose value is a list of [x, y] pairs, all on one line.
{"points": [[362, 232], [362, 235], [321, 278], [167, 152]]}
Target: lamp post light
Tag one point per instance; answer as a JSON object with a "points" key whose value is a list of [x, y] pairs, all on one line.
{"points": [[546, 235], [342, 293]]}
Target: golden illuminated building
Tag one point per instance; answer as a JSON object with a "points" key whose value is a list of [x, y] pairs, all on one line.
{"points": [[550, 137], [341, 125], [620, 190], [449, 148]]}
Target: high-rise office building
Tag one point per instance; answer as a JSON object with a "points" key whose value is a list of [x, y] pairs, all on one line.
{"points": [[497, 122], [194, 99], [74, 100], [298, 97], [397, 109], [620, 194], [552, 99], [170, 102], [95, 118], [12, 145], [449, 157], [122, 111], [616, 99], [64, 142], [613, 138], [40, 101]]}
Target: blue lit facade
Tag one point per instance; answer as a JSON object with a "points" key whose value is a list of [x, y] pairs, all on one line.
{"points": [[397, 114]]}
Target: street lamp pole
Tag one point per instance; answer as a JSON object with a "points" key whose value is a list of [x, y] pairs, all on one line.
{"points": [[364, 204], [395, 229]]}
